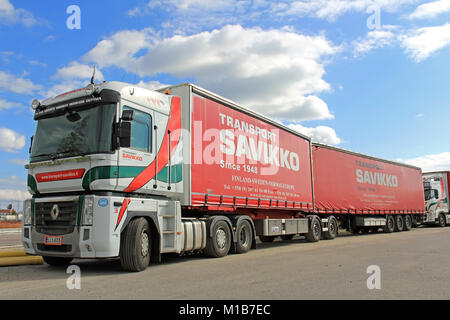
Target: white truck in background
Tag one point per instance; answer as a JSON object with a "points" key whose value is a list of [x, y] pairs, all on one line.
{"points": [[436, 187]]}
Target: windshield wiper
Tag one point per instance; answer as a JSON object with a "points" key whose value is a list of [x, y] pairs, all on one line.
{"points": [[55, 155]]}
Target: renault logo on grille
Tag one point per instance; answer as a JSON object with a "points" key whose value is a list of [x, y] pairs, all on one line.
{"points": [[54, 212]]}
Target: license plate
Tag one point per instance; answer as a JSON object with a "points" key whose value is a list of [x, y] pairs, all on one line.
{"points": [[53, 240]]}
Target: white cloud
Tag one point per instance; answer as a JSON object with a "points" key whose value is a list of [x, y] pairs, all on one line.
{"points": [[11, 15], [423, 42], [332, 9], [432, 162], [6, 105], [11, 194], [76, 70], [17, 84], [11, 141], [21, 162], [275, 72], [321, 134], [378, 38], [151, 85], [431, 9]]}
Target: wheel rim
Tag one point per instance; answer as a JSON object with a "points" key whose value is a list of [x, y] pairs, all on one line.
{"points": [[400, 222], [144, 241], [221, 238], [408, 222], [316, 229], [243, 237], [441, 219], [332, 227], [391, 223]]}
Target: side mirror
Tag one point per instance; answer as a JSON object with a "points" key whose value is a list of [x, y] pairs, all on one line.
{"points": [[125, 134], [31, 144], [436, 194], [127, 115]]}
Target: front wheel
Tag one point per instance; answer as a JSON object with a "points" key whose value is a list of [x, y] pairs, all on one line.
{"points": [[442, 221], [135, 246]]}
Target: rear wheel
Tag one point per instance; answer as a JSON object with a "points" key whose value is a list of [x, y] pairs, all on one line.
{"points": [[135, 246], [390, 224], [315, 230], [332, 229], [399, 223], [244, 237], [219, 243], [57, 261], [408, 223]]}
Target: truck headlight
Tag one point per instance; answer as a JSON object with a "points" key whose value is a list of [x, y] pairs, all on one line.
{"points": [[27, 212], [88, 211]]}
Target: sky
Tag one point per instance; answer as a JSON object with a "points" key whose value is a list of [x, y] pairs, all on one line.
{"points": [[371, 76]]}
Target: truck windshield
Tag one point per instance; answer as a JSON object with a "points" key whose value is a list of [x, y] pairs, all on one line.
{"points": [[77, 132]]}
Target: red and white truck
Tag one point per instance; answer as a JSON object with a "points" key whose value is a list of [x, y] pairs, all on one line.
{"points": [[120, 171], [437, 186]]}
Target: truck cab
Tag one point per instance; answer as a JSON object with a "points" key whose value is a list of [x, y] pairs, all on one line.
{"points": [[436, 198], [107, 149]]}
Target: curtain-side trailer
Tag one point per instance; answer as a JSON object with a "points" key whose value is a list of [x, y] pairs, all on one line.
{"points": [[120, 171]]}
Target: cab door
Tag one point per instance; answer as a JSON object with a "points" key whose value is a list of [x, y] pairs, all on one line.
{"points": [[135, 159]]}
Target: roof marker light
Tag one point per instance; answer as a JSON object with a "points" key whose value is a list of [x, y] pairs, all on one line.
{"points": [[35, 104]]}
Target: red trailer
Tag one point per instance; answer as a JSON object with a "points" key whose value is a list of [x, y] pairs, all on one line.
{"points": [[366, 190]]}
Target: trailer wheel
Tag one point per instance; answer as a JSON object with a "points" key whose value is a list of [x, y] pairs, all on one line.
{"points": [[408, 223], [57, 261], [244, 237], [399, 223], [332, 229], [266, 238], [219, 243], [390, 224], [441, 221], [315, 230], [135, 246]]}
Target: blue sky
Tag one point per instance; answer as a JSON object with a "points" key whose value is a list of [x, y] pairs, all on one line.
{"points": [[366, 75]]}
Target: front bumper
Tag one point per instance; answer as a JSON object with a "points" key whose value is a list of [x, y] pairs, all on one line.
{"points": [[98, 240]]}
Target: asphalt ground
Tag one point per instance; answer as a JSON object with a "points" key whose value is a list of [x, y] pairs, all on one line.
{"points": [[406, 265]]}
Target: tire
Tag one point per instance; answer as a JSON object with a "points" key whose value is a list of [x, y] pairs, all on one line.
{"points": [[399, 223], [408, 223], [135, 246], [441, 220], [332, 229], [315, 230], [244, 236], [57, 261], [219, 243], [266, 238], [390, 224]]}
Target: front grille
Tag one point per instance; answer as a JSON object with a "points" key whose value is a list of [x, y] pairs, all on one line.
{"points": [[65, 221], [61, 248]]}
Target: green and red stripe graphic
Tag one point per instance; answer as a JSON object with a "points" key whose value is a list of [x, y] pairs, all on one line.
{"points": [[161, 160]]}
